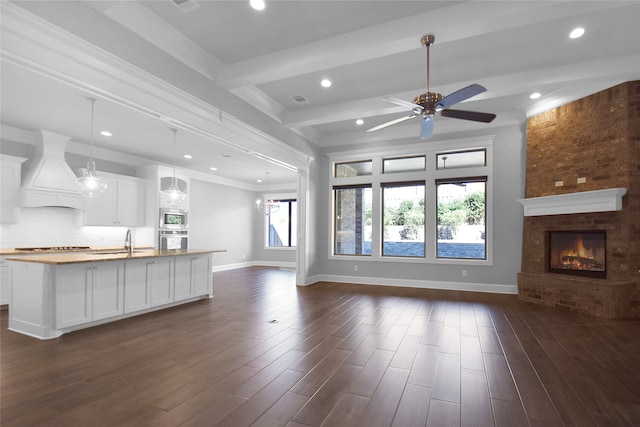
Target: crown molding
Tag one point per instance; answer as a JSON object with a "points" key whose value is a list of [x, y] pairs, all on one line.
{"points": [[36, 45]]}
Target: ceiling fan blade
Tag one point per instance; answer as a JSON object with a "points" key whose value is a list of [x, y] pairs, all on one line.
{"points": [[392, 122], [469, 115], [401, 102], [427, 127], [459, 96]]}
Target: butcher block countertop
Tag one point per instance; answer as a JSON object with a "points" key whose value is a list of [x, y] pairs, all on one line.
{"points": [[106, 255]]}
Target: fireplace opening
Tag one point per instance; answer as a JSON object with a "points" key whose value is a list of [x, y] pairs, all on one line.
{"points": [[579, 253]]}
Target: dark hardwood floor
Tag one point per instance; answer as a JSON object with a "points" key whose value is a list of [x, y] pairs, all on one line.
{"points": [[338, 355]]}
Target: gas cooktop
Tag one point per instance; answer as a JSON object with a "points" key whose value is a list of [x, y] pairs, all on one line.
{"points": [[55, 249]]}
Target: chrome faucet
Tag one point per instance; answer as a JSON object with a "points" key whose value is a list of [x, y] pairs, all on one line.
{"points": [[128, 243]]}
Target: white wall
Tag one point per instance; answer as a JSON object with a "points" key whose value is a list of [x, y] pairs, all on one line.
{"points": [[220, 217], [508, 182]]}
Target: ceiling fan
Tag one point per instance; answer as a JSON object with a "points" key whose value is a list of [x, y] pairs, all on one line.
{"points": [[429, 103]]}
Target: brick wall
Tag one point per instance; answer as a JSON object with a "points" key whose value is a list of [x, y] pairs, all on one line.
{"points": [[596, 138]]}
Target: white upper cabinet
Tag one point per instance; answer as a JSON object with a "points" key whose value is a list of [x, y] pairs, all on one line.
{"points": [[9, 187], [122, 204]]}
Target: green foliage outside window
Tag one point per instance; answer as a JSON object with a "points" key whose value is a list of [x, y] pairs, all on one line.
{"points": [[468, 210]]}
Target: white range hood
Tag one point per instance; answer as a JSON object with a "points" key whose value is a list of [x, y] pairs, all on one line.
{"points": [[47, 179]]}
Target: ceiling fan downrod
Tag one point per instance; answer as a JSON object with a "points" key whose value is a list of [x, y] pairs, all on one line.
{"points": [[427, 40], [429, 99]]}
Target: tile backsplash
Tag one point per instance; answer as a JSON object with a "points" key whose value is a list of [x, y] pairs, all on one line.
{"points": [[53, 226]]}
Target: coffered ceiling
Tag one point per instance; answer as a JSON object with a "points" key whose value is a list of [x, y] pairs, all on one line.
{"points": [[255, 64]]}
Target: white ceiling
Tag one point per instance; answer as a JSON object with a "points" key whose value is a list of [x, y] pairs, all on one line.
{"points": [[369, 49]]}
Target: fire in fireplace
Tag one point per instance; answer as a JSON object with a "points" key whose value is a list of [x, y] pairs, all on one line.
{"points": [[577, 252]]}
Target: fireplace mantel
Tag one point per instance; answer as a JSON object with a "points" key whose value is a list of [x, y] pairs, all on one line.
{"points": [[582, 202]]}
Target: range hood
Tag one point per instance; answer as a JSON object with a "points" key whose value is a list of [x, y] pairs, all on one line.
{"points": [[47, 179]]}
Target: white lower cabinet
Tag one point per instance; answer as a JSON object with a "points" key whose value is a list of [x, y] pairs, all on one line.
{"points": [[183, 287], [159, 275], [137, 290], [88, 292], [5, 282], [201, 275], [48, 300], [192, 277]]}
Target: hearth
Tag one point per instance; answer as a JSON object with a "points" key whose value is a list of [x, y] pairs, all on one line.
{"points": [[581, 253]]}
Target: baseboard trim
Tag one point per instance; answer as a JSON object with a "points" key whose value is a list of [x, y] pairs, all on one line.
{"points": [[424, 284], [283, 264]]}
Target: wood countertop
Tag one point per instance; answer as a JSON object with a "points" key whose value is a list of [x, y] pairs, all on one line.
{"points": [[59, 258]]}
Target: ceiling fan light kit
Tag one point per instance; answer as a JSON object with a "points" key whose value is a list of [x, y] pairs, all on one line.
{"points": [[429, 103]]}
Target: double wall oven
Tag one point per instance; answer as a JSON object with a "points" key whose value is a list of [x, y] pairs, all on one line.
{"points": [[173, 229]]}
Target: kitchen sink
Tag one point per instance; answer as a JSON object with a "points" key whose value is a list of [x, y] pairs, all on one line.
{"points": [[118, 251]]}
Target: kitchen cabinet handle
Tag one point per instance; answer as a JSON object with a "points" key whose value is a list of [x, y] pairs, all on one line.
{"points": [[151, 262]]}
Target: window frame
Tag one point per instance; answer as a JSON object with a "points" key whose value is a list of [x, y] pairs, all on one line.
{"points": [[289, 197], [429, 176]]}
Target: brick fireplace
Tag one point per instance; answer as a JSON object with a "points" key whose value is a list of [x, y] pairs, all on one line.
{"points": [[588, 147]]}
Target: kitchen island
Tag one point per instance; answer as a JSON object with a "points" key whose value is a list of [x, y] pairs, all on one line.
{"points": [[57, 293]]}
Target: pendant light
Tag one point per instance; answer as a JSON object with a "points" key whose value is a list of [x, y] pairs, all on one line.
{"points": [[89, 184], [173, 194], [270, 206]]}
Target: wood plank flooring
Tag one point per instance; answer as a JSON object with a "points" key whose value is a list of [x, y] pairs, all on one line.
{"points": [[338, 355]]}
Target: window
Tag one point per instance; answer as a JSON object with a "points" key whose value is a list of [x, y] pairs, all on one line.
{"points": [[343, 170], [461, 218], [403, 164], [462, 159], [419, 203], [352, 218], [282, 224], [403, 219]]}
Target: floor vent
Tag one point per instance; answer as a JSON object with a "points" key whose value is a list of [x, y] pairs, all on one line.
{"points": [[186, 5], [299, 99]]}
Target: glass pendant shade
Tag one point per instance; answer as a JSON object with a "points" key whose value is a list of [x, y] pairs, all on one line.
{"points": [[89, 184], [173, 194]]}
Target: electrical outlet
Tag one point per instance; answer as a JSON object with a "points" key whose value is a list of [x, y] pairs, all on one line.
{"points": [[582, 180], [559, 183], [464, 273], [355, 267]]}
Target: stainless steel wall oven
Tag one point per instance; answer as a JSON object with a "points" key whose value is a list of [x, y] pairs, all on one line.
{"points": [[173, 229]]}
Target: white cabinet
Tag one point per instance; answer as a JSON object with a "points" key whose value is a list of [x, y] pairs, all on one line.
{"points": [[88, 292], [137, 291], [201, 275], [183, 286], [51, 299], [10, 170], [5, 282], [148, 283], [192, 277], [159, 276], [122, 204]]}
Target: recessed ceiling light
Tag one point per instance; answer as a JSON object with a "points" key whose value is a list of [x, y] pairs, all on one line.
{"points": [[105, 133], [359, 122], [188, 156], [257, 4], [258, 180], [577, 32], [535, 95], [326, 83], [213, 168]]}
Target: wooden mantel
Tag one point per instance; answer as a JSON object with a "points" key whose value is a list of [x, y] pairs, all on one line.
{"points": [[583, 202]]}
